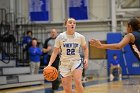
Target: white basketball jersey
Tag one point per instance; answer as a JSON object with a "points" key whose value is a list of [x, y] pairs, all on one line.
{"points": [[70, 46]]}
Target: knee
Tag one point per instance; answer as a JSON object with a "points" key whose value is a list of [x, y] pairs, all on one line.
{"points": [[67, 87], [68, 90], [78, 81]]}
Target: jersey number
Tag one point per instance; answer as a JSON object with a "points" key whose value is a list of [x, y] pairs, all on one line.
{"points": [[70, 51]]}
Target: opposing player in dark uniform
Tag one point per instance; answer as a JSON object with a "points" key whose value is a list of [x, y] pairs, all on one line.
{"points": [[132, 38]]}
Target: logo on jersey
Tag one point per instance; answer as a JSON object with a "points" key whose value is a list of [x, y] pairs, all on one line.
{"points": [[70, 48], [70, 45]]}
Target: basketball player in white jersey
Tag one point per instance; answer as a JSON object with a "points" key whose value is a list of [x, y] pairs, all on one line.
{"points": [[71, 67]]}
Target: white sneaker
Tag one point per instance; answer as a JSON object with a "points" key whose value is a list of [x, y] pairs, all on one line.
{"points": [[111, 77], [120, 77]]}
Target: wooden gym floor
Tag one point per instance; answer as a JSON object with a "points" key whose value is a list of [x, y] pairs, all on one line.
{"points": [[129, 85]]}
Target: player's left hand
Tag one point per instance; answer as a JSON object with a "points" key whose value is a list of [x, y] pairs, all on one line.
{"points": [[85, 63]]}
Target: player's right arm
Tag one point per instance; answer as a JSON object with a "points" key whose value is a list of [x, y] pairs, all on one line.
{"points": [[53, 56], [56, 50]]}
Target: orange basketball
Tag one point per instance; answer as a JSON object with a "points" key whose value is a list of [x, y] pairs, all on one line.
{"points": [[50, 73]]}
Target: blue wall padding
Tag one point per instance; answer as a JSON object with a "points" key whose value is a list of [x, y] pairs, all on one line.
{"points": [[132, 61]]}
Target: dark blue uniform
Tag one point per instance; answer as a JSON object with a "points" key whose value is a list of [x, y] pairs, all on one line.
{"points": [[136, 45]]}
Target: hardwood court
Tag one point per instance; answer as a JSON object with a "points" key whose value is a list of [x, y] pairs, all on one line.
{"points": [[131, 85]]}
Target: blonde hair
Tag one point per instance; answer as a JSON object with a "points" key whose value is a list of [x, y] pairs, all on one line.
{"points": [[65, 21]]}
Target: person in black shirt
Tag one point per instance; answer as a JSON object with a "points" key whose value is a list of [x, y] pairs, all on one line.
{"points": [[48, 49]]}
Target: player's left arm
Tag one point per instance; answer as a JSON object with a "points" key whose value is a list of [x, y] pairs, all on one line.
{"points": [[85, 50], [56, 50], [53, 56], [129, 38]]}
